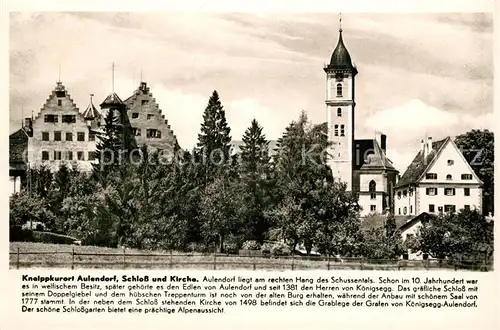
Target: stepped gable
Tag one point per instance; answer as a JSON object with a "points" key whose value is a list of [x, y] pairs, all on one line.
{"points": [[58, 92], [149, 116]]}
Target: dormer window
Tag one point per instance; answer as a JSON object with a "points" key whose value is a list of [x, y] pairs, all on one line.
{"points": [[339, 90]]}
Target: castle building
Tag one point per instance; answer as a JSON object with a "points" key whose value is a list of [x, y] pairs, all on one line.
{"points": [[361, 163], [61, 134]]}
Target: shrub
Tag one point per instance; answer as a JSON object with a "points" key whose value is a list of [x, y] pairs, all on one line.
{"points": [[17, 234], [48, 237], [280, 249], [197, 247], [251, 245]]}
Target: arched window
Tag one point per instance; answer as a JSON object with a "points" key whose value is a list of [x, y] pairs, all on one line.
{"points": [[336, 130], [339, 112], [372, 187], [342, 131], [339, 90], [448, 177]]}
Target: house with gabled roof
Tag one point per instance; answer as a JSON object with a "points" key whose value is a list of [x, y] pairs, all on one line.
{"points": [[438, 180]]}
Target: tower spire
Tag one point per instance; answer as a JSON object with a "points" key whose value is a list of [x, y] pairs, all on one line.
{"points": [[340, 22], [113, 77], [59, 77]]}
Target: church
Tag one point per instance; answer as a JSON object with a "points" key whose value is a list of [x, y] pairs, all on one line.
{"points": [[361, 163]]}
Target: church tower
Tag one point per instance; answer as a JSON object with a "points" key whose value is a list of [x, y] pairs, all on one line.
{"points": [[340, 91]]}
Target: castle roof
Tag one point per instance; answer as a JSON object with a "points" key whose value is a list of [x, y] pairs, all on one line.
{"points": [[112, 100], [18, 144], [91, 111]]}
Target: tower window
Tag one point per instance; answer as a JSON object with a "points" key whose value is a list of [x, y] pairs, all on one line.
{"points": [[135, 115], [342, 131], [373, 208], [372, 187], [339, 112], [336, 130], [339, 90]]}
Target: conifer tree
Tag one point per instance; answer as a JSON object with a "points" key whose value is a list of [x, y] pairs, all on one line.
{"points": [[256, 176], [214, 140]]}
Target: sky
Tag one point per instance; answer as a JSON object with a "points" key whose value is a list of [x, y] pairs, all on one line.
{"points": [[419, 74]]}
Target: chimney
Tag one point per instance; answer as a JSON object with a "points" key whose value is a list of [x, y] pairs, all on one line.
{"points": [[383, 142], [429, 145]]}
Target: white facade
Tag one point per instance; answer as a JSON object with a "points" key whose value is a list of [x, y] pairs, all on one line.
{"points": [[448, 183]]}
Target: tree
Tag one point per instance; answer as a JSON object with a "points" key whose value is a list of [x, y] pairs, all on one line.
{"points": [[28, 209], [463, 235], [256, 176], [478, 149], [214, 139], [220, 211]]}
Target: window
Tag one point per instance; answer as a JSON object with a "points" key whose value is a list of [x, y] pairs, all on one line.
{"points": [[411, 209], [399, 211], [153, 133], [57, 155], [91, 155], [81, 136], [372, 187], [135, 115], [91, 137], [69, 136], [50, 118], [448, 177], [431, 208], [440, 209], [466, 176], [80, 155], [59, 102], [136, 131], [57, 136], [449, 208], [45, 136], [373, 208], [449, 191], [451, 162], [150, 116], [45, 155], [69, 119], [342, 131], [336, 130], [431, 176], [431, 191], [69, 155], [405, 209], [339, 90], [405, 194], [466, 191], [467, 207], [399, 194], [411, 192], [144, 102], [339, 112]]}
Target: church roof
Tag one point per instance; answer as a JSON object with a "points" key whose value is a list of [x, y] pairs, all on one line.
{"points": [[419, 165], [341, 60], [375, 159], [112, 99]]}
